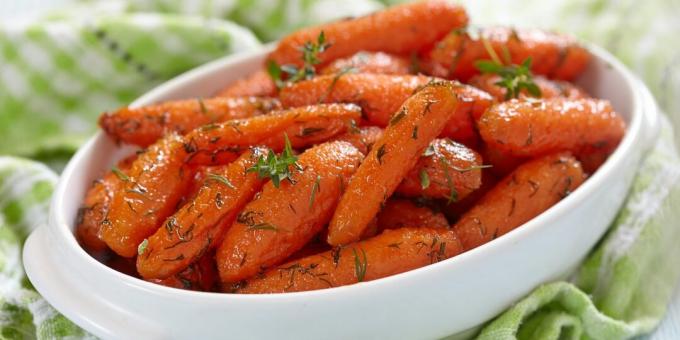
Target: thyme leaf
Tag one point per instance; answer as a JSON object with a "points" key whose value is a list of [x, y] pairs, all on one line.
{"points": [[315, 188], [424, 179], [514, 78], [120, 174], [141, 248], [222, 179], [310, 58], [263, 226], [277, 168], [360, 265]]}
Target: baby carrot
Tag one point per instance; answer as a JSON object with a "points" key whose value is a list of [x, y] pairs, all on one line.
{"points": [[554, 55], [421, 118], [258, 84], [400, 30], [381, 95], [199, 225], [531, 189], [392, 252], [304, 126], [399, 213], [148, 194], [200, 275], [370, 62], [445, 170], [282, 220], [144, 125], [549, 88], [96, 206], [531, 128], [362, 138]]}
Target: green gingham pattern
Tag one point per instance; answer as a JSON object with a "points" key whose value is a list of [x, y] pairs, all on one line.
{"points": [[63, 71]]}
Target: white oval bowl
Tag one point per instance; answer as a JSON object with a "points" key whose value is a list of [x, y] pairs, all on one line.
{"points": [[449, 297]]}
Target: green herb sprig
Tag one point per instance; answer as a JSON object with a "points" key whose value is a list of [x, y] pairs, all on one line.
{"points": [[284, 74], [514, 78], [277, 168]]}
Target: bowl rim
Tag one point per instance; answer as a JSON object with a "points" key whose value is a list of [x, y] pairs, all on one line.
{"points": [[59, 226]]}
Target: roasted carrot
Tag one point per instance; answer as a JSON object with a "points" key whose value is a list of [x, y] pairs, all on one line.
{"points": [[453, 212], [305, 126], [392, 252], [549, 88], [199, 225], [531, 128], [397, 30], [445, 170], [144, 125], [362, 138], [150, 192], [258, 84], [531, 189], [554, 55], [399, 213], [502, 163], [282, 220], [96, 205], [380, 97], [200, 275], [370, 62], [421, 118]]}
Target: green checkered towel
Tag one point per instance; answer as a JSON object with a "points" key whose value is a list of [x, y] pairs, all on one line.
{"points": [[58, 72]]}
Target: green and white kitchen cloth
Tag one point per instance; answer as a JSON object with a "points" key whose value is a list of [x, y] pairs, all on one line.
{"points": [[58, 72]]}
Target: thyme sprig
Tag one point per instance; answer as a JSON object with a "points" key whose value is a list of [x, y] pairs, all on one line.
{"points": [[284, 74], [277, 168], [514, 78], [360, 265]]}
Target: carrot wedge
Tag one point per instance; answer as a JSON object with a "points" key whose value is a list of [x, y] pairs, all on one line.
{"points": [[531, 189], [398, 30], [392, 252], [446, 170], [532, 128], [199, 225], [144, 125], [553, 55], [304, 126], [258, 84], [422, 117], [370, 62], [282, 220], [399, 213]]}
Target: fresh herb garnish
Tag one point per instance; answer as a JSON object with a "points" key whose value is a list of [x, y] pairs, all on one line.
{"points": [[424, 179], [380, 153], [471, 168], [120, 174], [142, 247], [453, 194], [315, 188], [398, 117], [514, 78], [277, 167], [201, 105], [292, 73], [360, 265], [263, 226], [220, 178]]}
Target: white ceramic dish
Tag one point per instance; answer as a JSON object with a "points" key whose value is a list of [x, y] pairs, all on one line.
{"points": [[445, 298]]}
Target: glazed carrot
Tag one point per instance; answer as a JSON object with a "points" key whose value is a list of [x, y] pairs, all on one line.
{"points": [[96, 205], [305, 126], [531, 189], [453, 212], [400, 30], [554, 55], [446, 170], [392, 252], [370, 62], [399, 213], [282, 220], [200, 276], [144, 125], [530, 128], [258, 84], [362, 138], [380, 96], [549, 88], [502, 163], [421, 118], [199, 225], [154, 185]]}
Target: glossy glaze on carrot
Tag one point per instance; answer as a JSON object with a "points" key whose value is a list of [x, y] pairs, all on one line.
{"points": [[370, 62], [400, 213], [258, 84]]}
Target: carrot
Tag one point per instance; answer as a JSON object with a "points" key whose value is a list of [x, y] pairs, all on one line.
{"points": [[282, 220], [305, 126], [421, 118], [200, 276], [531, 189], [392, 252], [549, 88], [399, 213], [199, 225], [531, 128], [150, 192], [258, 84], [144, 125], [445, 170], [370, 62], [502, 163], [453, 212], [96, 205], [380, 96], [362, 138], [398, 30], [554, 55]]}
